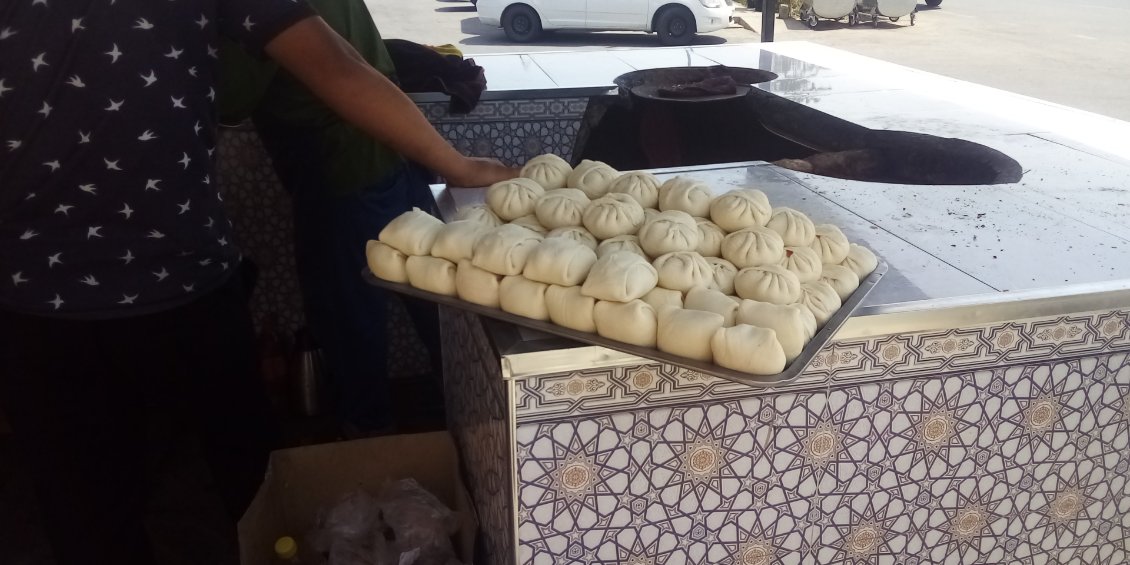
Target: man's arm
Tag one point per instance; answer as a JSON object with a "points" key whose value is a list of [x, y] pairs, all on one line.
{"points": [[338, 75]]}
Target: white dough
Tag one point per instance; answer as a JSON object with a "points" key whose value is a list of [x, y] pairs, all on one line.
{"points": [[687, 195], [412, 233], [531, 223], [593, 177], [770, 283], [669, 231], [523, 297], [804, 262], [724, 273], [659, 297], [479, 213], [560, 208], [621, 243], [575, 233], [612, 215], [640, 185], [431, 274], [683, 270], [559, 261], [821, 299], [632, 322], [831, 244], [621, 276], [842, 279], [548, 170], [503, 250], [793, 226], [476, 286], [748, 349], [687, 333], [740, 209], [649, 214], [710, 300], [753, 247], [386, 262], [514, 198], [860, 260], [456, 240], [569, 308], [710, 238], [793, 323]]}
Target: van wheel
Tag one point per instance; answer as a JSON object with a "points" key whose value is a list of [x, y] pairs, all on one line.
{"points": [[675, 26], [521, 23]]}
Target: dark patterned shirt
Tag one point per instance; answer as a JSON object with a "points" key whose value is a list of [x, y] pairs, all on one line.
{"points": [[108, 201]]}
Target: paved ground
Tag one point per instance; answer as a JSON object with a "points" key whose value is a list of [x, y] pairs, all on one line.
{"points": [[1074, 53]]}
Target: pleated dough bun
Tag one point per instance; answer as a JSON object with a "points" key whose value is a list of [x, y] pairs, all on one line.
{"points": [[724, 273], [504, 250], [593, 177], [479, 213], [569, 308], [548, 170], [831, 244], [753, 247], [740, 209], [659, 297], [412, 233], [794, 324], [687, 333], [842, 279], [669, 231], [456, 240], [748, 349], [523, 297], [621, 277], [514, 198], [632, 322], [531, 223], [640, 185], [683, 270], [820, 299], [795, 228], [860, 260], [612, 215], [629, 243], [770, 283], [687, 195], [559, 261], [561, 208], [710, 238], [477, 286], [386, 262], [575, 233], [710, 300], [804, 262], [431, 274]]}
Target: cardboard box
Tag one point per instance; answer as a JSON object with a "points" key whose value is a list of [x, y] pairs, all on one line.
{"points": [[302, 481]]}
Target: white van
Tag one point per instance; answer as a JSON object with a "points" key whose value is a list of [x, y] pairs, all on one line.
{"points": [[675, 21]]}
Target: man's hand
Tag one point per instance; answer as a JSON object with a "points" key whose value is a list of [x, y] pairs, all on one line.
{"points": [[478, 171]]}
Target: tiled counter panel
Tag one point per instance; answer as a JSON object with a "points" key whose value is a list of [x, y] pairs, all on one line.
{"points": [[511, 131], [1001, 444]]}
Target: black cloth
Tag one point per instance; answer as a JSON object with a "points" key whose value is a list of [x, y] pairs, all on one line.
{"points": [[85, 396], [420, 68]]}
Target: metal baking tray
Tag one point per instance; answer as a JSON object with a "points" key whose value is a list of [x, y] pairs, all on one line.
{"points": [[822, 337]]}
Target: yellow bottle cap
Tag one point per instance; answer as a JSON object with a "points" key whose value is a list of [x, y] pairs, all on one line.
{"points": [[286, 548]]}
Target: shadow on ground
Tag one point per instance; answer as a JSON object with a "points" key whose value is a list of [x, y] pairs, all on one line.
{"points": [[468, 8], [482, 34]]}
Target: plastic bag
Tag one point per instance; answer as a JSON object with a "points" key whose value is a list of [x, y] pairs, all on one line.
{"points": [[421, 525], [351, 532]]}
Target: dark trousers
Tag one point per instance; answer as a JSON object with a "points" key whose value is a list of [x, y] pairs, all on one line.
{"points": [[84, 398]]}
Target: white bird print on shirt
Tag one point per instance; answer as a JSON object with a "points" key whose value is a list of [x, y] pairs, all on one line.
{"points": [[211, 150], [29, 196], [126, 210], [154, 234], [93, 231], [14, 144], [88, 188], [45, 110], [28, 234], [115, 106], [185, 207], [76, 24], [151, 184], [223, 241], [177, 102], [213, 52], [54, 165], [39, 61], [211, 94], [6, 33], [192, 71], [114, 53], [128, 257], [210, 223], [205, 261], [4, 89], [112, 165], [127, 298], [247, 23], [147, 135], [143, 23], [188, 287], [64, 209], [83, 137], [185, 161], [161, 274], [76, 82], [203, 21], [150, 78], [57, 302], [207, 179], [53, 260], [197, 127], [40, 2], [89, 280], [18, 278], [174, 53]]}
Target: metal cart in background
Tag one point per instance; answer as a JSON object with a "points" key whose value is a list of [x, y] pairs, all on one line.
{"points": [[874, 10], [812, 11]]}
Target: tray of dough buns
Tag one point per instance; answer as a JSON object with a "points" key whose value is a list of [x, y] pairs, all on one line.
{"points": [[726, 285]]}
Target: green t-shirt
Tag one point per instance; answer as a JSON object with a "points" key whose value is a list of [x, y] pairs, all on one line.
{"points": [[256, 88]]}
